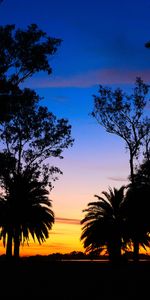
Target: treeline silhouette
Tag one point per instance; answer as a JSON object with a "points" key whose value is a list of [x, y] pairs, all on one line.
{"points": [[76, 256], [30, 134]]}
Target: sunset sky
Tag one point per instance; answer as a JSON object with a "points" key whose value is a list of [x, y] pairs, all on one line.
{"points": [[103, 43]]}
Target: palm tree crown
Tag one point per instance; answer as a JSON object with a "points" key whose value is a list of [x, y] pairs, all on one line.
{"points": [[26, 209], [103, 224]]}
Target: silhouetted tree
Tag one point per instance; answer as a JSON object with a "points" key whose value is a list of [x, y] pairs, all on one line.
{"points": [[136, 210], [29, 133], [123, 115], [25, 210], [103, 224], [146, 152], [136, 207], [30, 138], [22, 54], [25, 52], [35, 135], [142, 173]]}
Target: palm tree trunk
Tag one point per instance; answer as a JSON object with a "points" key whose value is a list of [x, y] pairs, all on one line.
{"points": [[9, 244], [114, 249], [16, 245], [136, 251]]}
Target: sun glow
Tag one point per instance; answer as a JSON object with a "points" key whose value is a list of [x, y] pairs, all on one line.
{"points": [[63, 238]]}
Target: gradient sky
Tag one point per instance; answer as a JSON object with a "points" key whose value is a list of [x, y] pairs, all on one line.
{"points": [[103, 43]]}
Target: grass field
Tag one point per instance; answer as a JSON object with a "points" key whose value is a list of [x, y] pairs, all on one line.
{"points": [[39, 277]]}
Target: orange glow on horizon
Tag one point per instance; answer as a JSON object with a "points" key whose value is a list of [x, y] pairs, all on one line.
{"points": [[63, 238]]}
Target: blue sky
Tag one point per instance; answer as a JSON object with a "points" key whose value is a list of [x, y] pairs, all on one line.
{"points": [[103, 43], [96, 34]]}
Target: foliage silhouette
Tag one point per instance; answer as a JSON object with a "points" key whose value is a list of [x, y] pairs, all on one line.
{"points": [[25, 210], [142, 173], [22, 54], [137, 206], [29, 133], [147, 44], [103, 224], [136, 210], [30, 138], [123, 115], [25, 52]]}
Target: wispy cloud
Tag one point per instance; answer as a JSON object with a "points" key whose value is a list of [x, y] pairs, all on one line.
{"points": [[117, 178], [61, 99], [93, 77], [68, 221], [57, 233]]}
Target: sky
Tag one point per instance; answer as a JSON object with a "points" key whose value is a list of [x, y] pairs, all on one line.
{"points": [[102, 43]]}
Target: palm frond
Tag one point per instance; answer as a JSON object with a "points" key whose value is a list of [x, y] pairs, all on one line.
{"points": [[101, 222]]}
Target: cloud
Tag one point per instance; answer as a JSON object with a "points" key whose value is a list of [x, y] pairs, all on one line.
{"points": [[117, 178], [68, 221], [61, 98], [91, 78], [57, 233]]}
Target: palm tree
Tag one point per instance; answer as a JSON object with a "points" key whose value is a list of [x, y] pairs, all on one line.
{"points": [[103, 224], [26, 210]]}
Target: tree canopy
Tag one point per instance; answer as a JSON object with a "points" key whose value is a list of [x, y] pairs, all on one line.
{"points": [[22, 54], [123, 115], [25, 52]]}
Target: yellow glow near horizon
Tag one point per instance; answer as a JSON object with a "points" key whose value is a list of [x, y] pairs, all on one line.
{"points": [[63, 238]]}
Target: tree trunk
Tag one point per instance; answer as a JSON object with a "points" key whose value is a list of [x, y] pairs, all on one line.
{"points": [[131, 169], [114, 250], [9, 244], [135, 242], [16, 245], [136, 251]]}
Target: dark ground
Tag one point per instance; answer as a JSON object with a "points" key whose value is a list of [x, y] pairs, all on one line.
{"points": [[41, 278]]}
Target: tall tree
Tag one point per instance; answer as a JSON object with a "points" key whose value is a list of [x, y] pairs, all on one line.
{"points": [[123, 115], [29, 139], [29, 133], [103, 224]]}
